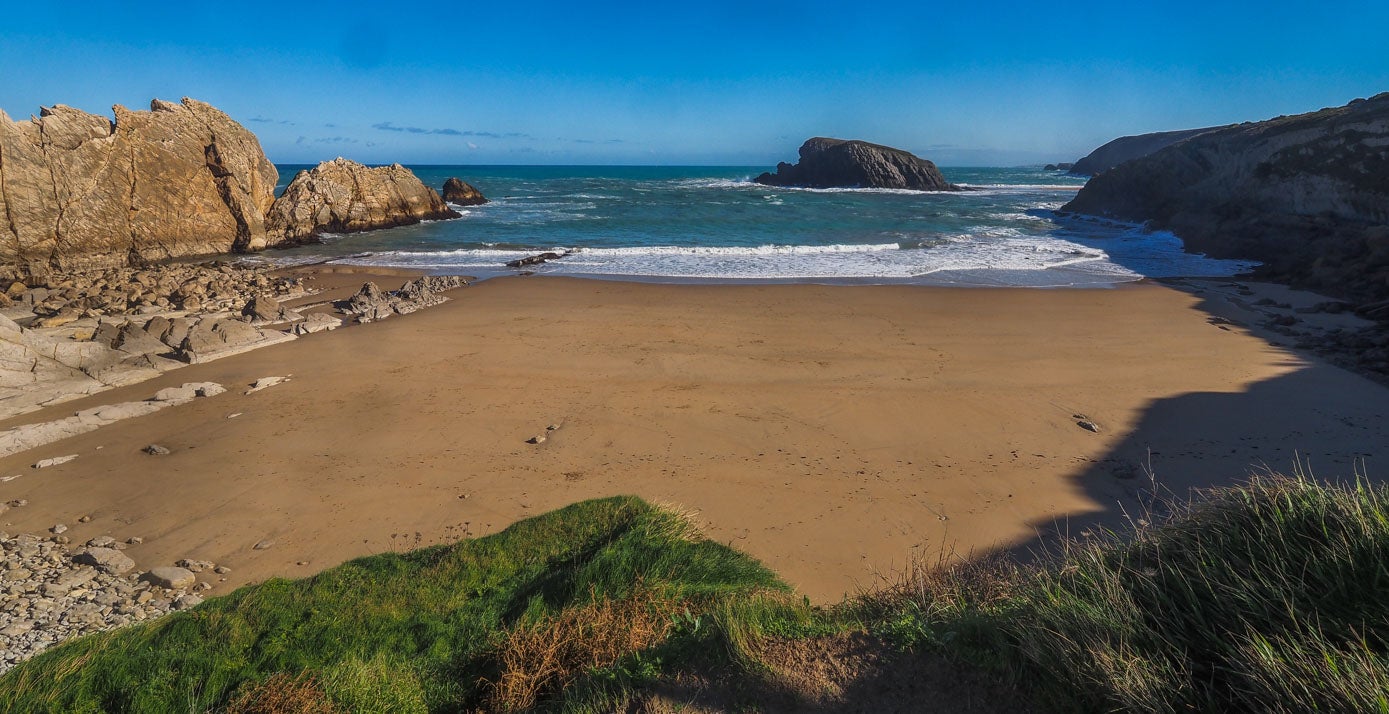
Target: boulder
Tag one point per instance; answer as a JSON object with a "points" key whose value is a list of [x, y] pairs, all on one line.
{"points": [[107, 560], [460, 193], [85, 192], [210, 337], [1306, 195], [169, 577], [1128, 148], [342, 196], [831, 163]]}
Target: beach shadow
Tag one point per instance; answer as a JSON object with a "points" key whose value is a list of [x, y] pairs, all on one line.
{"points": [[1317, 419]]}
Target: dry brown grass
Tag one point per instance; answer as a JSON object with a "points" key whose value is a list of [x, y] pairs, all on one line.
{"points": [[283, 694], [549, 655]]}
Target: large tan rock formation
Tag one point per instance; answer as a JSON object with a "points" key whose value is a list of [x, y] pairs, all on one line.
{"points": [[342, 196], [78, 191]]}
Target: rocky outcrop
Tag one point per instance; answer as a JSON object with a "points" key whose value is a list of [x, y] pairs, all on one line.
{"points": [[1307, 195], [79, 191], [1128, 148], [371, 303], [342, 196], [461, 193], [837, 163], [1063, 166]]}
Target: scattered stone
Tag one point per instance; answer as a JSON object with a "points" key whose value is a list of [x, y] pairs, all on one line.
{"points": [[58, 529], [552, 427], [209, 389], [263, 545], [19, 503], [85, 519], [537, 439], [156, 450], [234, 415], [55, 461], [105, 541], [221, 570], [196, 566], [1088, 426], [316, 322], [135, 540], [171, 578]]}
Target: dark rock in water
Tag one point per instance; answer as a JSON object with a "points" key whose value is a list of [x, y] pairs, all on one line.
{"points": [[1307, 195], [461, 193], [1058, 167], [1128, 148], [837, 163], [534, 259], [342, 196]]}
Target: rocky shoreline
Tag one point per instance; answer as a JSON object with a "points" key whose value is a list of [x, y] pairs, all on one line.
{"points": [[54, 591]]}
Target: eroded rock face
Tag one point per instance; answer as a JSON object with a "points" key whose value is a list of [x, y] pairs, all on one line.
{"points": [[342, 196], [1307, 195], [78, 191], [1128, 148], [832, 163], [461, 193]]}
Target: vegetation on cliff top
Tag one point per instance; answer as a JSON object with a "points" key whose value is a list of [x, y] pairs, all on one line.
{"points": [[1265, 597]]}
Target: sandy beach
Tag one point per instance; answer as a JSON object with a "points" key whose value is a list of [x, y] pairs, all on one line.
{"points": [[833, 432]]}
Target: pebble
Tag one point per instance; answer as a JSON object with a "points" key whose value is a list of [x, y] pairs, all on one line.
{"points": [[156, 450], [85, 519], [263, 545], [58, 529]]}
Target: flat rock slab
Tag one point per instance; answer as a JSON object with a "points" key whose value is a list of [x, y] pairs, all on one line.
{"points": [[108, 560], [169, 577]]}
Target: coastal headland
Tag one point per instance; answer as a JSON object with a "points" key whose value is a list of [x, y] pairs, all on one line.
{"points": [[833, 432]]}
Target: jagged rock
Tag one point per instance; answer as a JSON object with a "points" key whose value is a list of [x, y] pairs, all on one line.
{"points": [[210, 337], [1304, 194], [830, 163], [85, 192], [372, 303], [342, 196], [461, 193], [107, 560], [263, 307], [1128, 148], [1063, 166]]}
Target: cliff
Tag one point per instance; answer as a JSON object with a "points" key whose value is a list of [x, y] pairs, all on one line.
{"points": [[833, 163], [1307, 195], [1128, 148], [78, 191], [342, 196]]}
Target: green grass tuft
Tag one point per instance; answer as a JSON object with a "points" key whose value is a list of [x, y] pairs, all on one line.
{"points": [[1266, 597]]}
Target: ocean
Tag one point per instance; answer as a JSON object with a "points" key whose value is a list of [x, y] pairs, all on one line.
{"points": [[713, 224]]}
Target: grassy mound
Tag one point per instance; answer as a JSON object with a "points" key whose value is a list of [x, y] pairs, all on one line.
{"points": [[494, 623], [1268, 597]]}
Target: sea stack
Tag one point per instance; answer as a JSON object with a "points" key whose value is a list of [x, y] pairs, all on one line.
{"points": [[840, 163], [342, 196], [1305, 194], [461, 193]]}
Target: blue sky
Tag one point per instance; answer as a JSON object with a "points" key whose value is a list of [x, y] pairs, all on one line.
{"points": [[744, 83]]}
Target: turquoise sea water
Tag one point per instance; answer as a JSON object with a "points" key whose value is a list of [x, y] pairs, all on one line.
{"points": [[714, 224]]}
